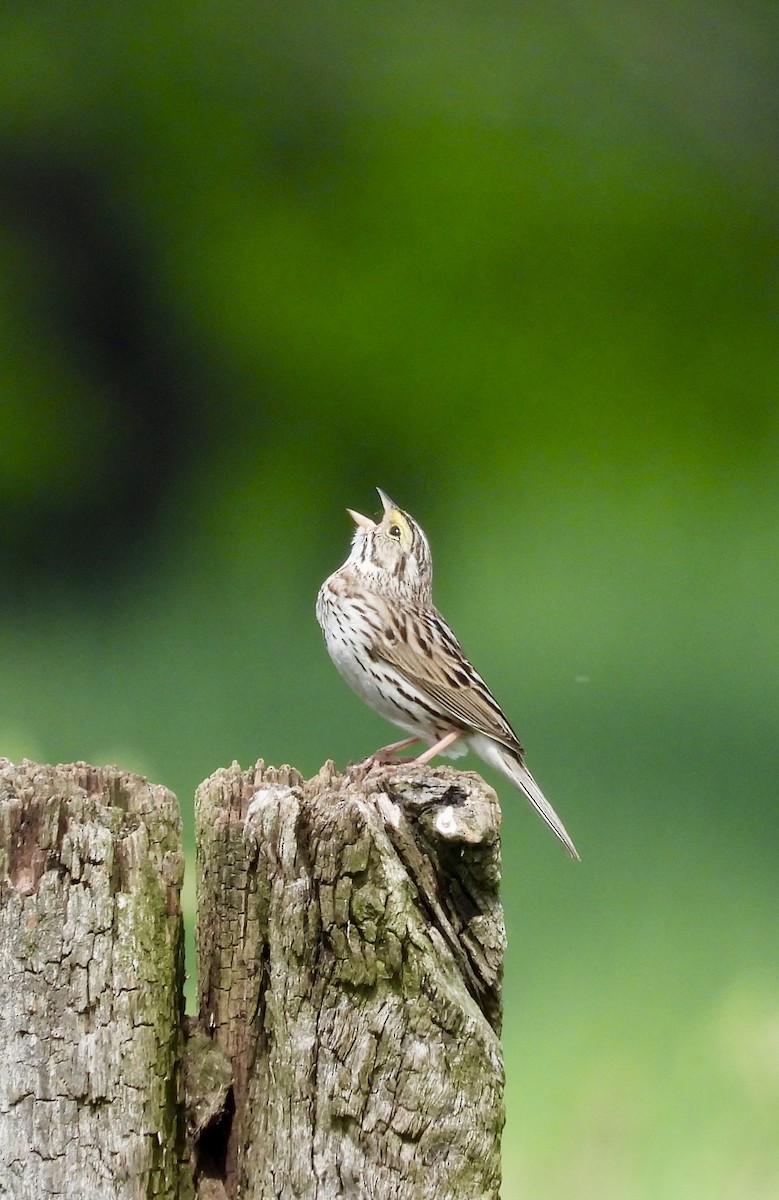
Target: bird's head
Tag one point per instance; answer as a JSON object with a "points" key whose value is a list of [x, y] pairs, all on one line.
{"points": [[392, 552]]}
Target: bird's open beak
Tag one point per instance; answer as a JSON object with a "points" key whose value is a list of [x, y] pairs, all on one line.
{"points": [[359, 519], [388, 504]]}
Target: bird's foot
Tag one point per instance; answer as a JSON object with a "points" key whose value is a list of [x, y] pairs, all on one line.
{"points": [[377, 761], [387, 754]]}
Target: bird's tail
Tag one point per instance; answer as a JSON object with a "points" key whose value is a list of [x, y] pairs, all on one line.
{"points": [[502, 758]]}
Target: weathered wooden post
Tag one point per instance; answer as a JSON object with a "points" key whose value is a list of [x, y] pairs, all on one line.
{"points": [[350, 947], [91, 970]]}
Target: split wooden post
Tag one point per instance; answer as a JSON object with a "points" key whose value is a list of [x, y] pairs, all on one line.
{"points": [[350, 949]]}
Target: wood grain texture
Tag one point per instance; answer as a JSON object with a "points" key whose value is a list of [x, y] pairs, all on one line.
{"points": [[350, 948], [91, 968], [350, 944]]}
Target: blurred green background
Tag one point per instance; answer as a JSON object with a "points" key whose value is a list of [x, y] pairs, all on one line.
{"points": [[517, 265]]}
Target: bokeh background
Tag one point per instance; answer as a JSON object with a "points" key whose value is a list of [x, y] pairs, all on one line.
{"points": [[517, 265]]}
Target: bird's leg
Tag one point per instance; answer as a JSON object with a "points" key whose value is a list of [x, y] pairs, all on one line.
{"points": [[385, 753], [393, 746], [439, 747]]}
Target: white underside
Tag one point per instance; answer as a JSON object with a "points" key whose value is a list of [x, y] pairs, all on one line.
{"points": [[366, 684]]}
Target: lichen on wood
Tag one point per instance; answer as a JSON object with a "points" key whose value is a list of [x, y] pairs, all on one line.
{"points": [[350, 947]]}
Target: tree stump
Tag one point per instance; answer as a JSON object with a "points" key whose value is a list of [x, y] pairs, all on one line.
{"points": [[350, 945], [91, 972]]}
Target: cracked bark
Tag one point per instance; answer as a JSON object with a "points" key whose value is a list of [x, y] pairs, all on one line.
{"points": [[350, 948], [91, 970]]}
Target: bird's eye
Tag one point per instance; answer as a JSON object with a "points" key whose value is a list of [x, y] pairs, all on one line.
{"points": [[394, 532]]}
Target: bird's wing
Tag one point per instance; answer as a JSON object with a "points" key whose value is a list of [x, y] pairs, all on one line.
{"points": [[428, 655]]}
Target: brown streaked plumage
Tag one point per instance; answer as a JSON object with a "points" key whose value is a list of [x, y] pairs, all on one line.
{"points": [[394, 648]]}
